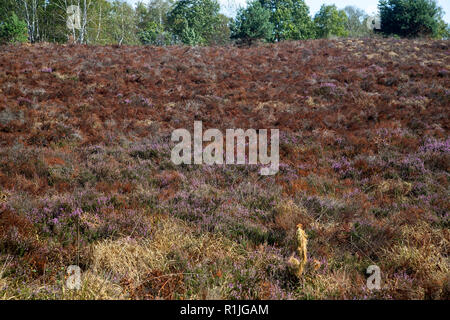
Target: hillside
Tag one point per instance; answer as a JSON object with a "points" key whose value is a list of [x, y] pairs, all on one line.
{"points": [[86, 176]]}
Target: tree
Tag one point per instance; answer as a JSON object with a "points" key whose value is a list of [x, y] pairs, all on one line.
{"points": [[6, 8], [79, 35], [443, 30], [290, 19], [330, 21], [356, 22], [410, 18], [158, 10], [13, 30], [52, 22], [194, 21], [252, 23], [155, 34], [32, 13], [46, 19], [155, 12], [121, 24], [152, 23], [222, 32]]}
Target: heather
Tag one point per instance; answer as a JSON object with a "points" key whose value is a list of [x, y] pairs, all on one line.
{"points": [[86, 176]]}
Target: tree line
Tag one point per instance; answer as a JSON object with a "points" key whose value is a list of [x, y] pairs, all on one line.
{"points": [[199, 22]]}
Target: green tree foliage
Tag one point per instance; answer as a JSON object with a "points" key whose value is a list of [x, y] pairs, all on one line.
{"points": [[155, 34], [120, 24], [99, 16], [6, 8], [102, 21], [410, 18], [222, 32], [443, 30], [330, 21], [13, 30], [52, 22], [290, 19], [190, 35], [153, 13], [194, 21], [252, 23], [32, 12], [357, 22], [158, 10], [152, 23]]}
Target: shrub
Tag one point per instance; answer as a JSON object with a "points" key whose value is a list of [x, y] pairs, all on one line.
{"points": [[330, 21], [13, 30], [290, 18], [194, 21], [252, 23], [356, 22], [410, 18], [156, 35]]}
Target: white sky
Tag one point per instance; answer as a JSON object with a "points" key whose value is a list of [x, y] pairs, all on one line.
{"points": [[370, 6]]}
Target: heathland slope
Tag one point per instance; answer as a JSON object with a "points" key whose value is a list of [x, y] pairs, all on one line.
{"points": [[86, 176]]}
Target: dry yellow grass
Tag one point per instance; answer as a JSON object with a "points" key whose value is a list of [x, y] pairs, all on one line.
{"points": [[332, 285], [289, 214], [136, 259], [421, 250], [395, 187], [95, 287], [3, 281]]}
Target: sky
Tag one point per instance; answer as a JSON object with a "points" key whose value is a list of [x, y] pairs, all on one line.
{"points": [[229, 7]]}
